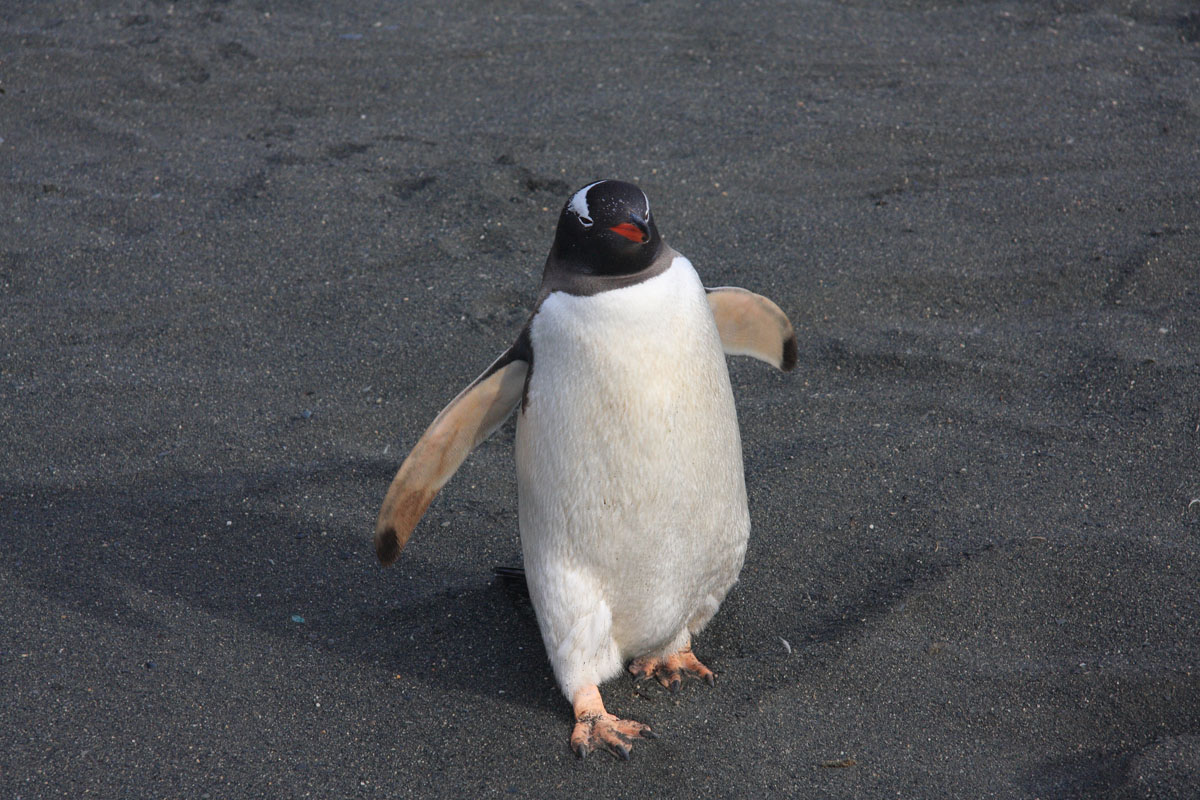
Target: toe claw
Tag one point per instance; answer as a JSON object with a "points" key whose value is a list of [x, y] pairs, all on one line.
{"points": [[671, 670], [646, 733], [596, 729]]}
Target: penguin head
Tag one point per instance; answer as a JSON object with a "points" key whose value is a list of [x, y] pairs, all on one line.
{"points": [[605, 228]]}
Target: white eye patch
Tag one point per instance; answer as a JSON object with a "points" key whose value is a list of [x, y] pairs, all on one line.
{"points": [[579, 205]]}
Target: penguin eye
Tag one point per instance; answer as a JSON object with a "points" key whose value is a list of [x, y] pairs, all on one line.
{"points": [[586, 222]]}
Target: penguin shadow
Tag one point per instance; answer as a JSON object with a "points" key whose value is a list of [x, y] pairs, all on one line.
{"points": [[153, 557], [480, 638]]}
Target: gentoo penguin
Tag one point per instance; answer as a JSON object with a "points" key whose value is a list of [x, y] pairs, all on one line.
{"points": [[631, 493]]}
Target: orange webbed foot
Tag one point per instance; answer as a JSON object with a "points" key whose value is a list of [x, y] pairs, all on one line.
{"points": [[596, 728], [669, 671]]}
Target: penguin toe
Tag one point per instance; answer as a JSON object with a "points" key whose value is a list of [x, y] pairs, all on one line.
{"points": [[645, 668], [609, 733], [669, 671]]}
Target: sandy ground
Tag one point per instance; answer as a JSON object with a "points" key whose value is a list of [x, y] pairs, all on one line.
{"points": [[249, 249]]}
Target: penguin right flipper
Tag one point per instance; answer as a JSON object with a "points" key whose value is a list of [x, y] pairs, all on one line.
{"points": [[454, 433], [752, 325]]}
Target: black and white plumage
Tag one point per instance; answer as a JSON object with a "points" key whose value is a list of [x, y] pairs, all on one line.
{"points": [[632, 501]]}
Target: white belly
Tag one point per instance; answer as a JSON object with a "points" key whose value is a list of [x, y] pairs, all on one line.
{"points": [[632, 497]]}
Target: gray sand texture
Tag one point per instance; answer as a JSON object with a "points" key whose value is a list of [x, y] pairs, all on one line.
{"points": [[250, 248]]}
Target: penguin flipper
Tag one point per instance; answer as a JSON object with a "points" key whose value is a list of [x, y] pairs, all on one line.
{"points": [[752, 325], [470, 418]]}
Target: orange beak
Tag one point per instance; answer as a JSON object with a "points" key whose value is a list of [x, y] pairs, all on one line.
{"points": [[636, 231]]}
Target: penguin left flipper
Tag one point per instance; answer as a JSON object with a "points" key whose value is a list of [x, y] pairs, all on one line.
{"points": [[470, 418], [752, 325]]}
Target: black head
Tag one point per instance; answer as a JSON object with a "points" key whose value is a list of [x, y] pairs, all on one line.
{"points": [[606, 229]]}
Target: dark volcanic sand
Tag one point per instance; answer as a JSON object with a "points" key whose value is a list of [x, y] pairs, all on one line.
{"points": [[249, 249]]}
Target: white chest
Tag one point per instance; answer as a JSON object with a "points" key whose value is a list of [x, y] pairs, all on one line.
{"points": [[624, 380], [628, 455]]}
